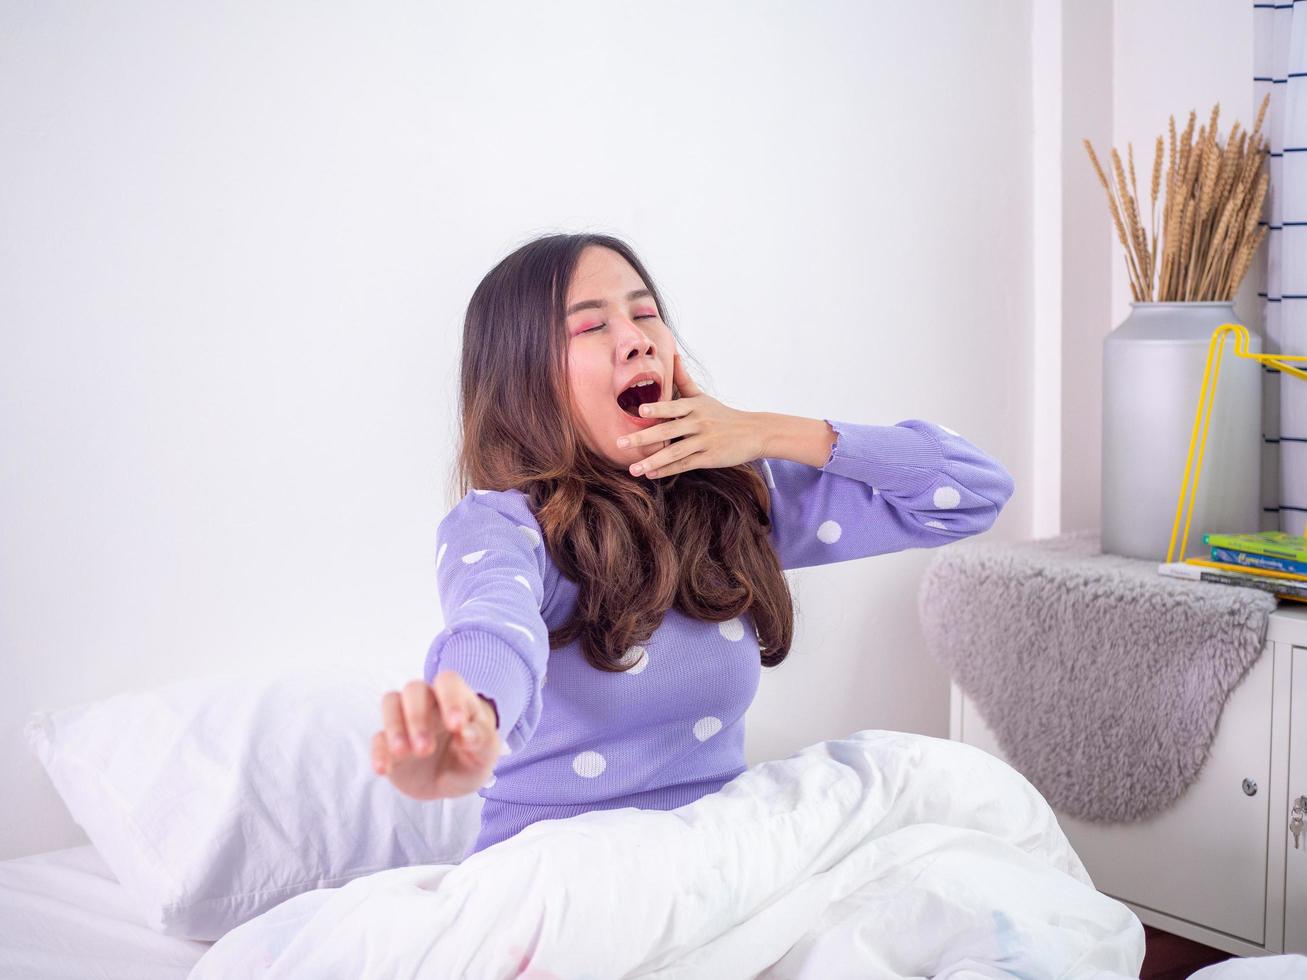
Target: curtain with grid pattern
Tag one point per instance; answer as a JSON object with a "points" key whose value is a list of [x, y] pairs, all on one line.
{"points": [[1280, 68]]}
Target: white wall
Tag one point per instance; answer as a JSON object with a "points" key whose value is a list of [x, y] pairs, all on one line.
{"points": [[1119, 70], [239, 241], [1086, 255], [1170, 58]]}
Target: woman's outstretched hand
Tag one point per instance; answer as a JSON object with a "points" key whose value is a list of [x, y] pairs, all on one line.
{"points": [[438, 740], [712, 434]]}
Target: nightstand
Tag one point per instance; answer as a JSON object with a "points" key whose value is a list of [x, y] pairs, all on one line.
{"points": [[1219, 866]]}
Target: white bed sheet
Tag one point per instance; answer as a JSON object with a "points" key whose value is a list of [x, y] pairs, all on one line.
{"points": [[885, 855], [63, 915]]}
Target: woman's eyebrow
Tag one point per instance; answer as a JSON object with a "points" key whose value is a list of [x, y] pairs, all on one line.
{"points": [[596, 304]]}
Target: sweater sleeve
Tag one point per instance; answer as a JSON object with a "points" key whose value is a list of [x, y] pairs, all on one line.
{"points": [[884, 488], [491, 569]]}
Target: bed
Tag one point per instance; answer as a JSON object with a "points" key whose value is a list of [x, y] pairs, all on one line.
{"points": [[234, 835], [63, 914]]}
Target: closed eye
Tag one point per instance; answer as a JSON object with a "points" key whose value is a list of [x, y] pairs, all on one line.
{"points": [[647, 316]]}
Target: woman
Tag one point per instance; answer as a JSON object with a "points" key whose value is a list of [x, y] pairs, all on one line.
{"points": [[612, 578]]}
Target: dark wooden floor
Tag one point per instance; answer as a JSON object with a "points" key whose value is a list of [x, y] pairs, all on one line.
{"points": [[1168, 957]]}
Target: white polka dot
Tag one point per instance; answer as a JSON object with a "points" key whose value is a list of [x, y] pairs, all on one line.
{"points": [[474, 556], [732, 629], [475, 490], [489, 782], [641, 657], [947, 498], [589, 764], [522, 628], [706, 728], [766, 469], [503, 748], [531, 534], [522, 579], [441, 553], [948, 430], [829, 532], [936, 524]]}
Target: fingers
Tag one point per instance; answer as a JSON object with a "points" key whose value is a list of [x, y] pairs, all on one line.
{"points": [[666, 410], [392, 722], [484, 729], [491, 710], [681, 378], [663, 461], [420, 716], [659, 434], [464, 713], [408, 722]]}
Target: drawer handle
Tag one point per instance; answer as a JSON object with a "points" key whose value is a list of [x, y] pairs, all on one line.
{"points": [[1297, 816]]}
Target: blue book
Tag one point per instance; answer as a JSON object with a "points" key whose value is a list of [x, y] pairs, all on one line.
{"points": [[1251, 559]]}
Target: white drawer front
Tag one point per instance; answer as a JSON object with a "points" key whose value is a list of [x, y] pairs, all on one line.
{"points": [[1203, 859]]}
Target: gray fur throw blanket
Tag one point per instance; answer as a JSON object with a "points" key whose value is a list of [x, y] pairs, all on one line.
{"points": [[1102, 680]]}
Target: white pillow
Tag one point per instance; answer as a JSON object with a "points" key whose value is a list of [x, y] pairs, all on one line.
{"points": [[214, 799]]}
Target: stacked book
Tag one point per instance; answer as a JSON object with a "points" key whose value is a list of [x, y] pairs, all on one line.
{"points": [[1272, 561]]}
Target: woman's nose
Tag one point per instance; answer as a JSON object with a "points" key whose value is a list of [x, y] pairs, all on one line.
{"points": [[636, 341]]}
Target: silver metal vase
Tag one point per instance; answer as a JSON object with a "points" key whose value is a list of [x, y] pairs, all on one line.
{"points": [[1153, 367]]}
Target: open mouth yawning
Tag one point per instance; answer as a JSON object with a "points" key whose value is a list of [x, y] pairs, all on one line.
{"points": [[632, 398]]}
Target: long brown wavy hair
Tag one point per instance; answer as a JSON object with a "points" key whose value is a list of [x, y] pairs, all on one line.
{"points": [[696, 540]]}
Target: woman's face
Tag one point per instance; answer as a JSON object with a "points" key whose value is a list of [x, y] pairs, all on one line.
{"points": [[614, 336]]}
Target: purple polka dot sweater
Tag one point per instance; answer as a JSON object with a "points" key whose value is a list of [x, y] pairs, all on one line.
{"points": [[670, 729]]}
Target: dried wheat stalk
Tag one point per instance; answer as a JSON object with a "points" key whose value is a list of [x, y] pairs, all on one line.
{"points": [[1210, 212]]}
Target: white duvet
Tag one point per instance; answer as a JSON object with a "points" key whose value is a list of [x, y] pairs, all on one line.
{"points": [[884, 854]]}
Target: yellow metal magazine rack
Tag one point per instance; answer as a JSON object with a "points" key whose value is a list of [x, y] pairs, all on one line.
{"points": [[1215, 351]]}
